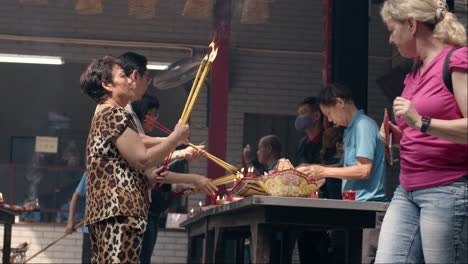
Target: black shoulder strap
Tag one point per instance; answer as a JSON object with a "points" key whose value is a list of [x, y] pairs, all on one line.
{"points": [[447, 76], [415, 66]]}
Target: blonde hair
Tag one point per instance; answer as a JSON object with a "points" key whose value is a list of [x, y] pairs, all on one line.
{"points": [[433, 13]]}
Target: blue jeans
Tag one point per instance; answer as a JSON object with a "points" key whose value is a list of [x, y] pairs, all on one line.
{"points": [[426, 225]]}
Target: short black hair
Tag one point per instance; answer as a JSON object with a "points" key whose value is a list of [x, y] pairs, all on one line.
{"points": [[332, 91], [98, 71], [314, 105], [141, 107], [133, 61], [275, 143], [312, 102]]}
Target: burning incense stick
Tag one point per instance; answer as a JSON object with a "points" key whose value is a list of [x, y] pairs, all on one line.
{"points": [[194, 92]]}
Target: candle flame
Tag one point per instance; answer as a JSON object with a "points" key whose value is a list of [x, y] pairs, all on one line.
{"points": [[191, 210], [1, 196], [242, 170], [200, 203], [217, 197]]}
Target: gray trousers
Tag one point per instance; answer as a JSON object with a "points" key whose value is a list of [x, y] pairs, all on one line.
{"points": [[370, 239]]}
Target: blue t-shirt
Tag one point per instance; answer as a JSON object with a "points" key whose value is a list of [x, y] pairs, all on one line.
{"points": [[361, 139], [81, 191]]}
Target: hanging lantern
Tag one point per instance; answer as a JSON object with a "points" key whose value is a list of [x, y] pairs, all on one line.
{"points": [[255, 12], [88, 7], [34, 2], [198, 9], [142, 9]]}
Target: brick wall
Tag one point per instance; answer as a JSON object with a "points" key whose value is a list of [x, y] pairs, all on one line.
{"points": [[171, 246]]}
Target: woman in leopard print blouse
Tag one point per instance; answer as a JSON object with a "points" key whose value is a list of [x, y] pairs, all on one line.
{"points": [[116, 188]]}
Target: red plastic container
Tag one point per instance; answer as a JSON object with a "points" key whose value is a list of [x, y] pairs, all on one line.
{"points": [[349, 195]]}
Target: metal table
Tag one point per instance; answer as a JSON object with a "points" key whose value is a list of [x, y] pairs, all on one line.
{"points": [[7, 218], [261, 214]]}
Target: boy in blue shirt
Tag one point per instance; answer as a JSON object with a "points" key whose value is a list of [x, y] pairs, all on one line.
{"points": [[80, 192]]}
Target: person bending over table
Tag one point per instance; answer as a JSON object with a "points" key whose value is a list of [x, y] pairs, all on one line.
{"points": [[363, 160]]}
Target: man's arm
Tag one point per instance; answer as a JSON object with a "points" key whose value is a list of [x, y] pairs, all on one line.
{"points": [[71, 213]]}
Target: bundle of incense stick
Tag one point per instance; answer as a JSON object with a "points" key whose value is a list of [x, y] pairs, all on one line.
{"points": [[154, 123], [226, 179], [54, 242], [202, 72]]}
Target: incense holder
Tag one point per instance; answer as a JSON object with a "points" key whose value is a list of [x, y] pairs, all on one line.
{"points": [[285, 181]]}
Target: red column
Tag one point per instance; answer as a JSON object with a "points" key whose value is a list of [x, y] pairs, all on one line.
{"points": [[327, 41], [217, 132]]}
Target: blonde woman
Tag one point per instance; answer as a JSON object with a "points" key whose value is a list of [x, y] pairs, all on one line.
{"points": [[427, 217]]}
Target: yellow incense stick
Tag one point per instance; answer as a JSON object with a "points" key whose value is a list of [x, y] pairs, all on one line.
{"points": [[189, 109], [217, 160], [194, 85]]}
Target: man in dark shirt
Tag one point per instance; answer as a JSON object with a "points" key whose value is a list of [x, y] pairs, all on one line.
{"points": [[313, 246], [309, 120]]}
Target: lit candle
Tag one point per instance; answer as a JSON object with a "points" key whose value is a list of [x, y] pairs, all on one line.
{"points": [[249, 172], [191, 212], [200, 207], [212, 199], [314, 195]]}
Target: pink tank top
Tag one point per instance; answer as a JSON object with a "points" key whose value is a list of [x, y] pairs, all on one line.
{"points": [[428, 161]]}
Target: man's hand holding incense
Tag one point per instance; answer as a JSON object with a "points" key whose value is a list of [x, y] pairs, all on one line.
{"points": [[184, 188], [204, 184], [193, 154], [313, 171], [69, 228]]}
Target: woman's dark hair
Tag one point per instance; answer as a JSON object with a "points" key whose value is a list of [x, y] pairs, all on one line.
{"points": [[332, 91], [133, 61], [142, 106], [100, 70]]}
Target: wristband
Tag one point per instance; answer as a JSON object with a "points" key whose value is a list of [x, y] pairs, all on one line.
{"points": [[426, 121]]}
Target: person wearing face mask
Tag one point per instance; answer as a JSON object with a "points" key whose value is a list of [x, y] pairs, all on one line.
{"points": [[312, 246], [309, 120]]}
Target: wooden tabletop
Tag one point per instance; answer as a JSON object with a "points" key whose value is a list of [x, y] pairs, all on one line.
{"points": [[260, 200]]}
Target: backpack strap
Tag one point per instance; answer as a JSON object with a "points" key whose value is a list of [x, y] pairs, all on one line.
{"points": [[416, 66], [447, 76]]}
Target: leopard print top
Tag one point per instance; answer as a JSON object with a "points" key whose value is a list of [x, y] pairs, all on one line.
{"points": [[113, 187]]}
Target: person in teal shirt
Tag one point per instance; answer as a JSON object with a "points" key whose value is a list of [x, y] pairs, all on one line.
{"points": [[363, 163]]}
